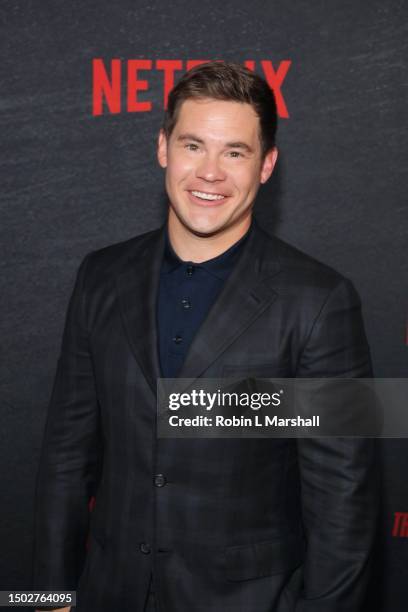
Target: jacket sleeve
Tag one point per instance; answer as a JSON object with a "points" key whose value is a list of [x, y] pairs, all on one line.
{"points": [[339, 476], [70, 457]]}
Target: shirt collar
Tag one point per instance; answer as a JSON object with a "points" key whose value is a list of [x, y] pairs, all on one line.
{"points": [[219, 266]]}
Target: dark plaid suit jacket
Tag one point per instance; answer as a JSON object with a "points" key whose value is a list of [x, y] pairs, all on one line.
{"points": [[240, 525]]}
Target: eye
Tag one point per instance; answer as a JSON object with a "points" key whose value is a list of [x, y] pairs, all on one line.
{"points": [[191, 146], [236, 154]]}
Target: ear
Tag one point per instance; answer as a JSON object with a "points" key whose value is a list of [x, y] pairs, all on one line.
{"points": [[268, 164], [162, 149]]}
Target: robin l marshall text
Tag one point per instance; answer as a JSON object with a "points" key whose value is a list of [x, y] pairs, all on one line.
{"points": [[235, 421]]}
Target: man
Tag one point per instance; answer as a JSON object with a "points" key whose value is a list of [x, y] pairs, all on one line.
{"points": [[267, 525]]}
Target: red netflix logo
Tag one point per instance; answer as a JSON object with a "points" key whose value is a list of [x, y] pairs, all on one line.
{"points": [[400, 527], [109, 82]]}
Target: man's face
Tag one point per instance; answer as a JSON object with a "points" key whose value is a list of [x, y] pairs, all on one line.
{"points": [[213, 164]]}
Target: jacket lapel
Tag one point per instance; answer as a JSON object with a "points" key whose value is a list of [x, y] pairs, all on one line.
{"points": [[243, 298], [137, 287], [245, 295]]}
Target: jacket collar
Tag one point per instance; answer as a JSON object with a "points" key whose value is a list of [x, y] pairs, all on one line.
{"points": [[244, 296]]}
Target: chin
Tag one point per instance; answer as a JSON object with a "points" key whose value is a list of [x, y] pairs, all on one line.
{"points": [[201, 229], [201, 224]]}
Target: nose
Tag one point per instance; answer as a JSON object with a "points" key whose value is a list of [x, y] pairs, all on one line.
{"points": [[210, 169]]}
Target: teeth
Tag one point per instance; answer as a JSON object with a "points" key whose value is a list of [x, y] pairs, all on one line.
{"points": [[207, 196]]}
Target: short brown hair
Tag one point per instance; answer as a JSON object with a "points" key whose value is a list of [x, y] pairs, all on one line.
{"points": [[226, 81]]}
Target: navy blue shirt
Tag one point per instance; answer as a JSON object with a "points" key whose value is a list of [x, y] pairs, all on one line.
{"points": [[186, 292]]}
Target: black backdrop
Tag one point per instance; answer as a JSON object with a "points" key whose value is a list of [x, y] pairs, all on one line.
{"points": [[73, 181]]}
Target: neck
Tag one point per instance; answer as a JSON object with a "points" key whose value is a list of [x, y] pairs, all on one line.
{"points": [[196, 247]]}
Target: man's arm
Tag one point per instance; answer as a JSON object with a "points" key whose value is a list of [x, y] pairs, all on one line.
{"points": [[339, 477], [70, 457]]}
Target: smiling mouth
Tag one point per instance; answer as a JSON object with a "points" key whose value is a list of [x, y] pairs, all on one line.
{"points": [[203, 195]]}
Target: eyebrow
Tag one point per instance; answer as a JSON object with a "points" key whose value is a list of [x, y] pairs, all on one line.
{"points": [[234, 145]]}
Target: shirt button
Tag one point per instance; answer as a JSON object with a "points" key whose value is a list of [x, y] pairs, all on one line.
{"points": [[160, 480], [186, 303], [145, 548], [177, 339], [190, 270]]}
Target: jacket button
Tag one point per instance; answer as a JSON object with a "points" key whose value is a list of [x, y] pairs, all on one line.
{"points": [[160, 480], [145, 548]]}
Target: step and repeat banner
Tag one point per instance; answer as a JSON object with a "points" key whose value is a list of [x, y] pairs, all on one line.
{"points": [[84, 89]]}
